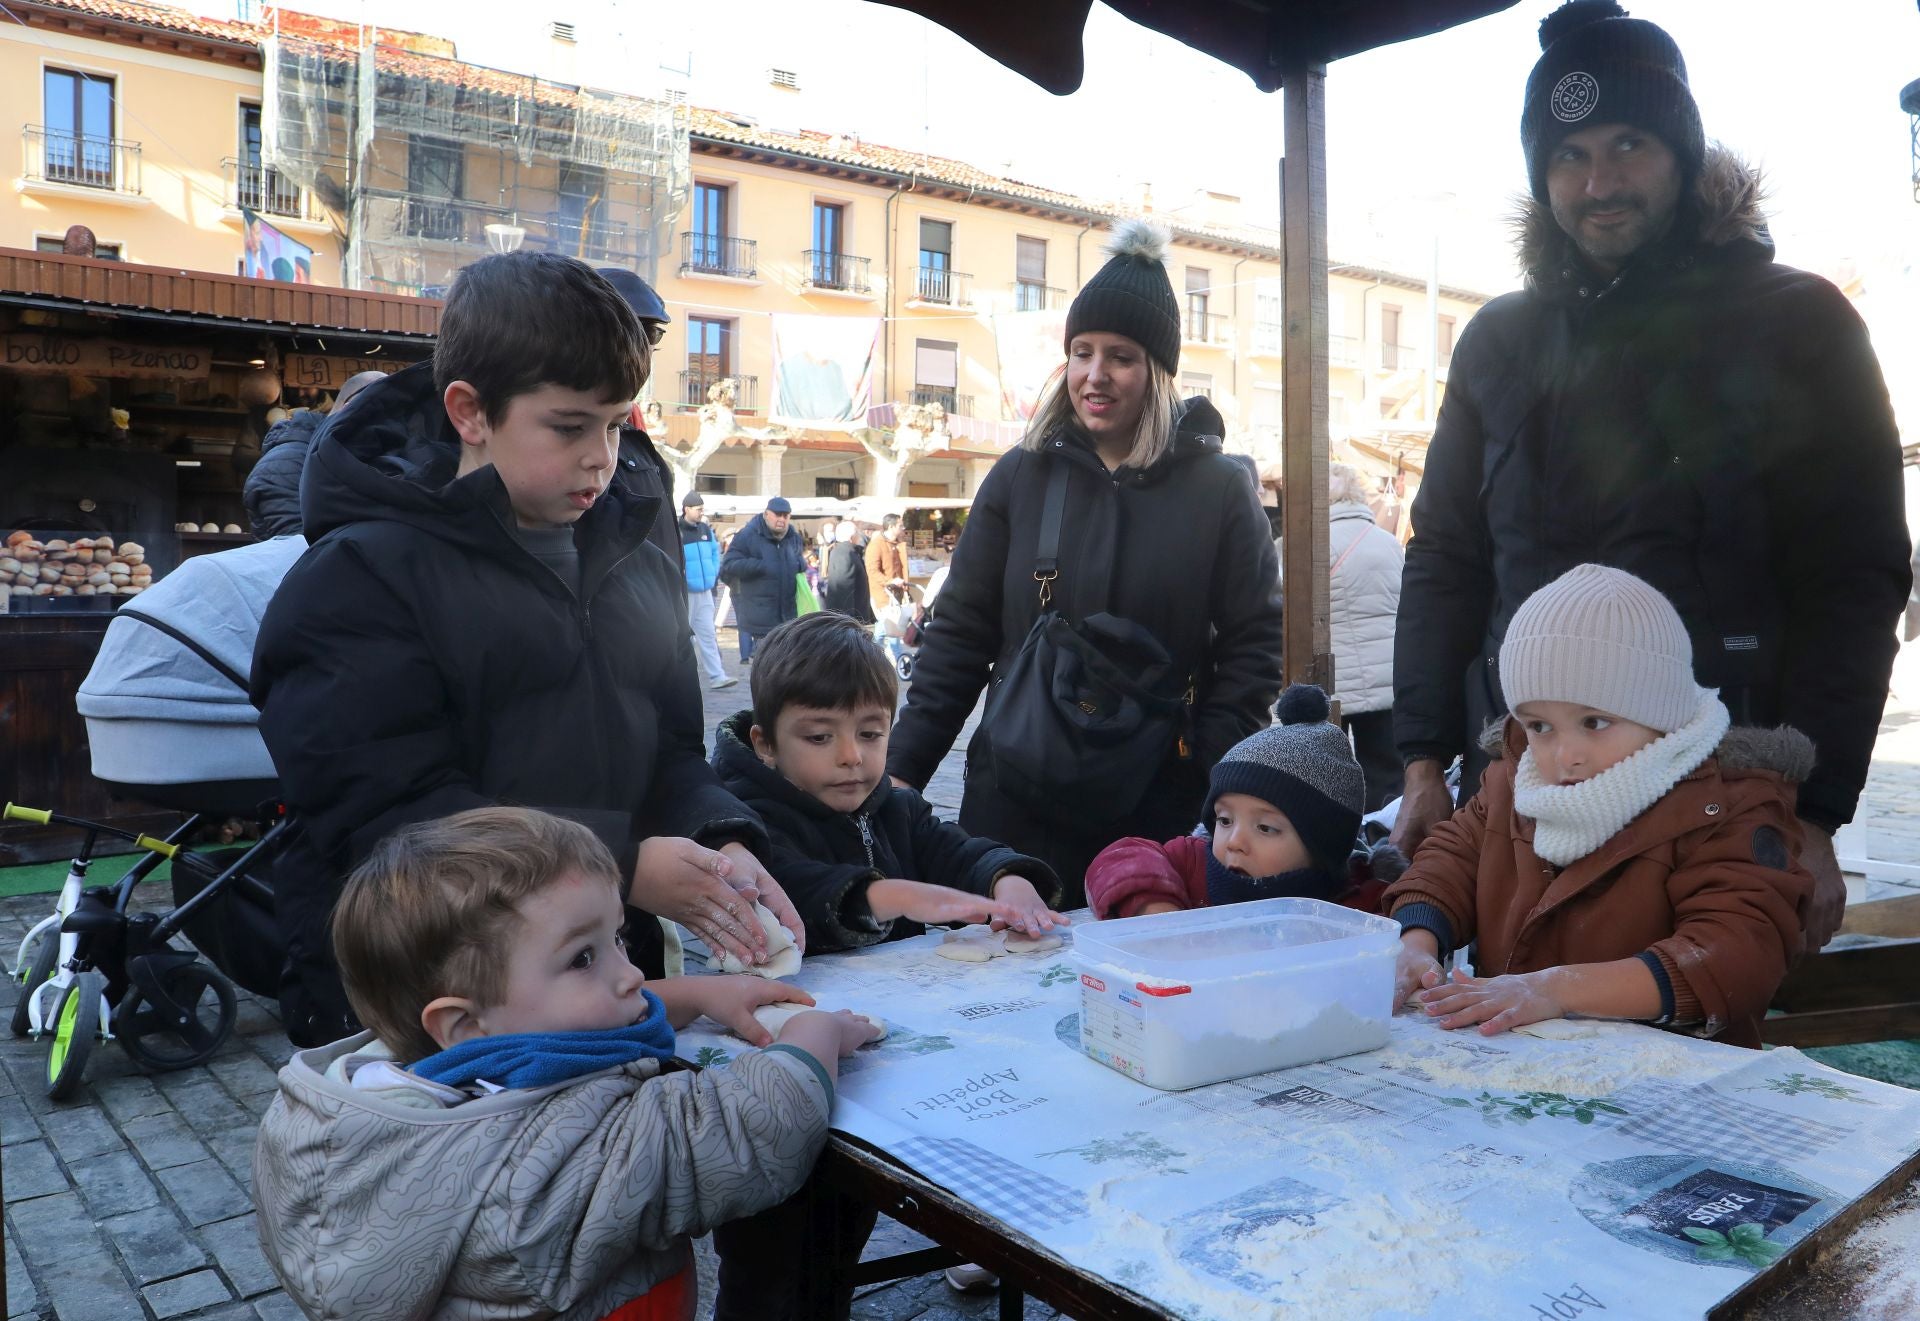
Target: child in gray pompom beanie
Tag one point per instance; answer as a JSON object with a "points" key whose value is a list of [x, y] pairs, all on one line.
{"points": [[1282, 820], [1626, 859]]}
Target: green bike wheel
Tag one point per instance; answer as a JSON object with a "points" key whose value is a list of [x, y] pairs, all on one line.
{"points": [[40, 969], [76, 1026]]}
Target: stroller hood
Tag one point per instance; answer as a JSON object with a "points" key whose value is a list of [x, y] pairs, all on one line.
{"points": [[146, 672]]}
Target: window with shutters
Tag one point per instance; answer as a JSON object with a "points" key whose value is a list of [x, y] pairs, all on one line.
{"points": [[936, 373], [1030, 274]]}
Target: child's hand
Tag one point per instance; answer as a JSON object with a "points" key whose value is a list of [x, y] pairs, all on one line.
{"points": [[1495, 1003], [933, 905], [730, 1001], [1417, 966], [827, 1036], [1029, 914]]}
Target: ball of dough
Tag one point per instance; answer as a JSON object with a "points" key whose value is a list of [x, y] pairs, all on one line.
{"points": [[1018, 942], [774, 1017], [783, 957], [975, 944]]}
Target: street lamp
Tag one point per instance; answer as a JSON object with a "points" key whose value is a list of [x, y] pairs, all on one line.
{"points": [[505, 238]]}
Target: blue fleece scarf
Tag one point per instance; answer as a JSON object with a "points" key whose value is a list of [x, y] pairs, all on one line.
{"points": [[540, 1059], [1225, 887]]}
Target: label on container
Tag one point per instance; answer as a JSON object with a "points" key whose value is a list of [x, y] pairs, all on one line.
{"points": [[1113, 1029]]}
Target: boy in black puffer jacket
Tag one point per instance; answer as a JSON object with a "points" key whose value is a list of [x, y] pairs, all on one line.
{"points": [[862, 861]]}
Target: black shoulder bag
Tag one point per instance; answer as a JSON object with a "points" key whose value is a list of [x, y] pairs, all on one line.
{"points": [[1078, 722]]}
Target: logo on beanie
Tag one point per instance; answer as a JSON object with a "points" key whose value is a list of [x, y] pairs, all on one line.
{"points": [[1574, 97]]}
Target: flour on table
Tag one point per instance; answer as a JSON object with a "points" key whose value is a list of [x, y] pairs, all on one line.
{"points": [[775, 1017], [1601, 1061], [783, 956], [975, 944], [1560, 1029]]}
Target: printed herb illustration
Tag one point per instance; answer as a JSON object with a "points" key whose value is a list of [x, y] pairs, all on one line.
{"points": [[1058, 973], [1798, 1084], [1134, 1147], [915, 1044], [709, 1056], [1530, 1105], [1747, 1243]]}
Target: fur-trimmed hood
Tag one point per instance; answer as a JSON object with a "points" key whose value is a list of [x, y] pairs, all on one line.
{"points": [[1723, 211], [1783, 750]]}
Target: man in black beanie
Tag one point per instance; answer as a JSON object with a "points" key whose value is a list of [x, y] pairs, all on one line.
{"points": [[1665, 398]]}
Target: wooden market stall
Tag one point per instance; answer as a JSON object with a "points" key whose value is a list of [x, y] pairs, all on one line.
{"points": [[133, 400]]}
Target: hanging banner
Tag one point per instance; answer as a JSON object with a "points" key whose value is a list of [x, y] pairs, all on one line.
{"points": [[823, 369], [271, 255], [1029, 345]]}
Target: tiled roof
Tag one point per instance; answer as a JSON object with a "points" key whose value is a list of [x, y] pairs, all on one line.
{"points": [[165, 17]]}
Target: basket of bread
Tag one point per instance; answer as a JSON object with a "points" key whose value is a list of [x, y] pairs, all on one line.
{"points": [[76, 572]]}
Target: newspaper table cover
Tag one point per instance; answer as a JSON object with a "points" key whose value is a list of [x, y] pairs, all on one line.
{"points": [[1603, 1169]]}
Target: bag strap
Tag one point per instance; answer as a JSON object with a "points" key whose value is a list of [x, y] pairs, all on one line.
{"points": [[1351, 547], [1046, 562]]}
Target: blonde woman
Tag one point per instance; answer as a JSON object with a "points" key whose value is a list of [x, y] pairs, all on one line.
{"points": [[1159, 528]]}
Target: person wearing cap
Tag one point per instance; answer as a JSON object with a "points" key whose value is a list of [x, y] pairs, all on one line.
{"points": [[1282, 818], [1664, 397], [700, 550], [761, 567], [1158, 528], [1631, 855], [642, 468]]}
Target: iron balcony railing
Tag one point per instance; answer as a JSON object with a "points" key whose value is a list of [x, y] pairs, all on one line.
{"points": [[258, 188], [836, 270], [1031, 297], [1206, 327], [1343, 351], [694, 385], [1395, 356], [590, 238], [60, 156], [937, 284], [957, 405], [1269, 338], [716, 254]]}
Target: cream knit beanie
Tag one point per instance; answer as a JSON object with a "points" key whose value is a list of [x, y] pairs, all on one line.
{"points": [[1602, 638]]}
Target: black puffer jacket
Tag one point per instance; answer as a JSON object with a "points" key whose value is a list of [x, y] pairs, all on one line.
{"points": [[647, 476], [843, 581], [1709, 420], [761, 570], [1191, 560], [272, 492], [418, 661], [825, 859]]}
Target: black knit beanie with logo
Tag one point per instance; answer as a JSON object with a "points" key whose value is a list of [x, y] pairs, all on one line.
{"points": [[1601, 67], [1131, 295]]}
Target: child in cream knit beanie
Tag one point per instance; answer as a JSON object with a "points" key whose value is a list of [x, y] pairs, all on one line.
{"points": [[1617, 864]]}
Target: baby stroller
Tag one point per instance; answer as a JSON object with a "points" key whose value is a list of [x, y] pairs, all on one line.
{"points": [[169, 723]]}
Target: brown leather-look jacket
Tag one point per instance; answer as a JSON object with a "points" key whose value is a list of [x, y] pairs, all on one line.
{"points": [[1708, 880]]}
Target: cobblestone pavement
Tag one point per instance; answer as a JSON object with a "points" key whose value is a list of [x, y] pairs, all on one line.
{"points": [[131, 1200]]}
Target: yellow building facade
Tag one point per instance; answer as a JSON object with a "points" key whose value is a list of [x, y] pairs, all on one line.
{"points": [[153, 128], [144, 131]]}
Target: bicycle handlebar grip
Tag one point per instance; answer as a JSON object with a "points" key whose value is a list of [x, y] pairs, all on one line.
{"points": [[160, 846], [38, 816]]}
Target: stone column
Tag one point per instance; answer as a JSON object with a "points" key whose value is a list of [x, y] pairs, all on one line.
{"points": [[769, 457]]}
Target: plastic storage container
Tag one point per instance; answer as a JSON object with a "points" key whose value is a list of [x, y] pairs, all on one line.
{"points": [[1178, 1000]]}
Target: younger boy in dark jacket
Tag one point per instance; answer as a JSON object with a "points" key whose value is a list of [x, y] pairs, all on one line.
{"points": [[481, 619], [862, 860]]}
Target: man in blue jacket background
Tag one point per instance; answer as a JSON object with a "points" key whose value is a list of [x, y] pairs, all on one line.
{"points": [[701, 550]]}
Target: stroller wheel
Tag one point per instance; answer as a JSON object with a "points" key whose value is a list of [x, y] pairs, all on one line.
{"points": [[904, 664], [76, 1025], [157, 1039], [40, 970]]}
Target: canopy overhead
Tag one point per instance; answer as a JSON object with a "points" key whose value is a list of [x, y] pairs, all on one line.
{"points": [[1040, 40]]}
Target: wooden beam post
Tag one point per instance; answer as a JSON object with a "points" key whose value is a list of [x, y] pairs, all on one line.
{"points": [[1303, 222]]}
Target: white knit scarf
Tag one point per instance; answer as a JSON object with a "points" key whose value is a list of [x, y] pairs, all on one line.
{"points": [[1574, 820]]}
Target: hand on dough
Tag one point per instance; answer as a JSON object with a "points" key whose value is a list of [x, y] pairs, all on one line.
{"points": [[736, 1003], [775, 1017], [1027, 913], [783, 956]]}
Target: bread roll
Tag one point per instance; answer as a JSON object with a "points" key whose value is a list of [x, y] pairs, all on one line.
{"points": [[27, 554], [134, 590], [132, 561], [27, 577], [103, 543], [58, 544], [18, 590], [18, 539], [100, 578], [86, 589], [8, 564], [84, 543], [132, 548], [84, 555], [49, 573], [62, 556], [43, 589], [231, 529], [62, 590]]}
